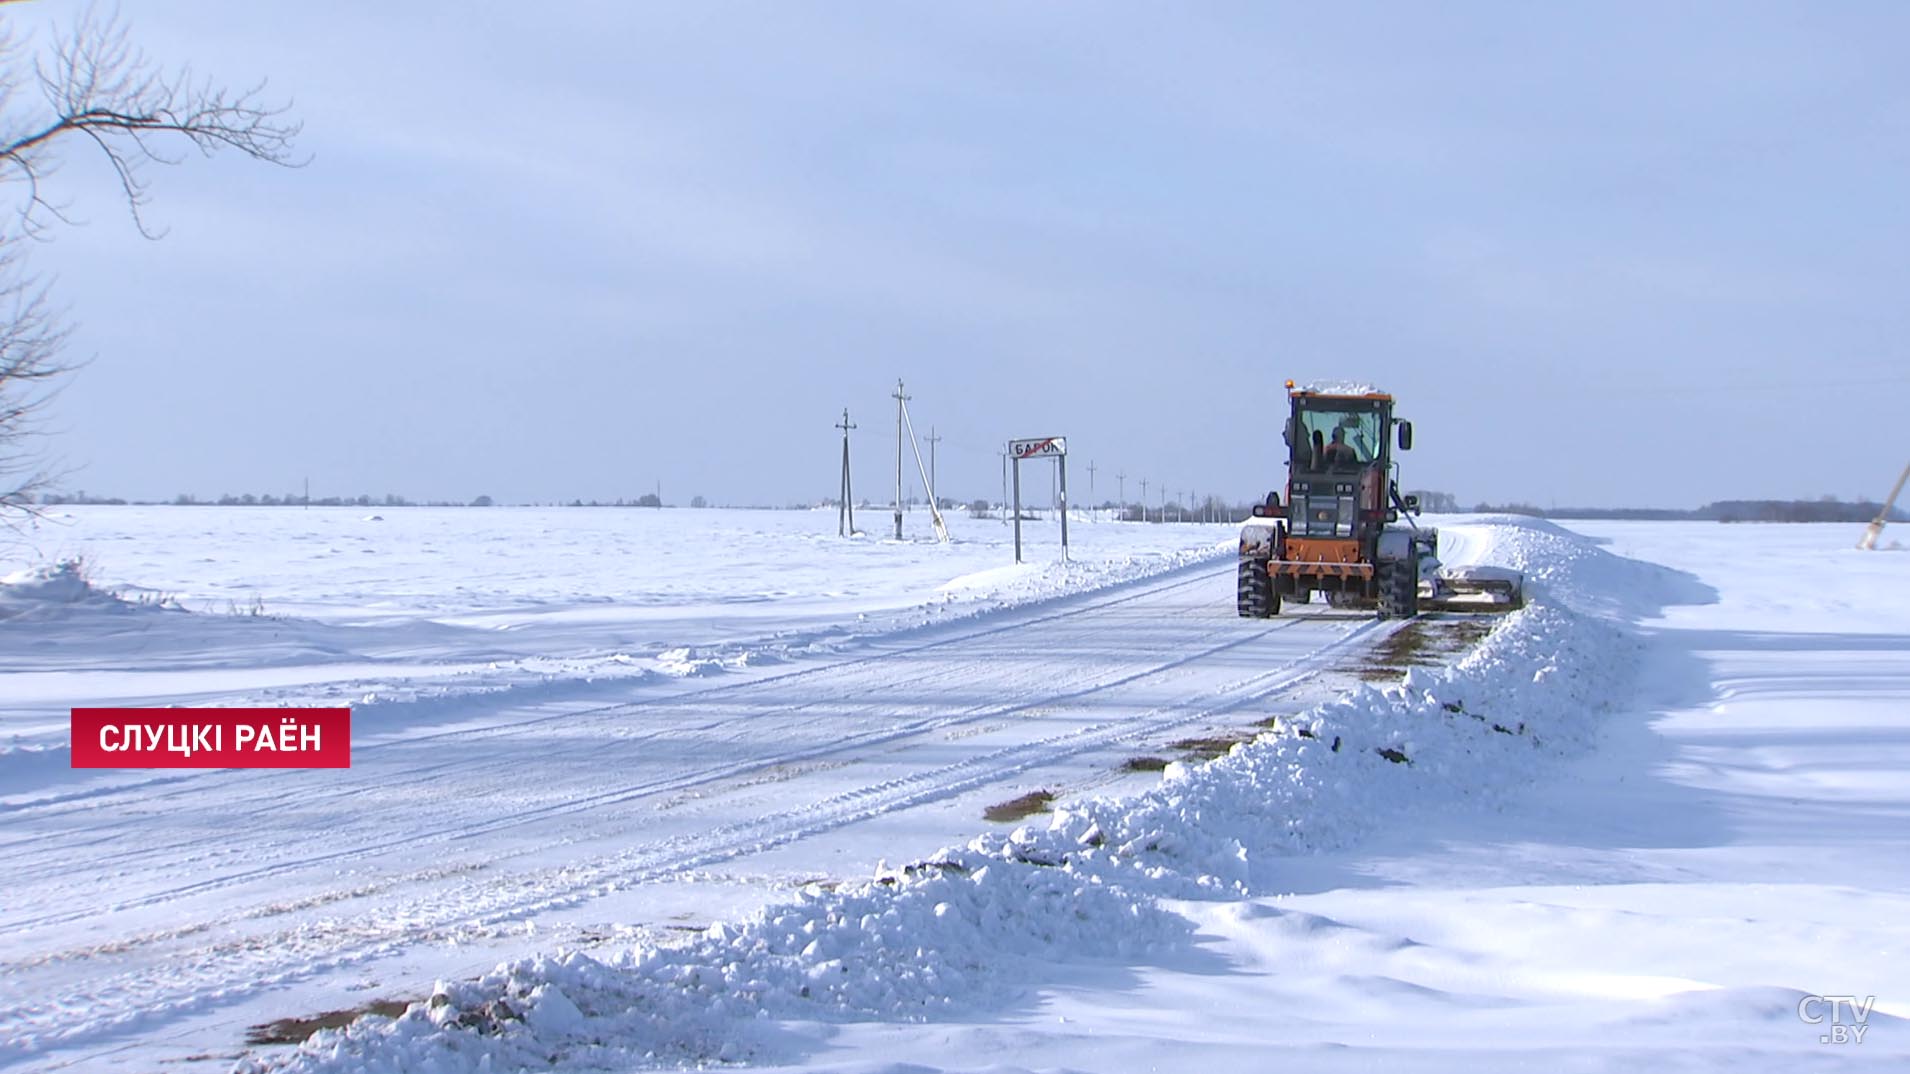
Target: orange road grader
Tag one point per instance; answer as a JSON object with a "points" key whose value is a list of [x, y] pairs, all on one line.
{"points": [[1338, 534]]}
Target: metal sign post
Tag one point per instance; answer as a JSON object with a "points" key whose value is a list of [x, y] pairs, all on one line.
{"points": [[1017, 510], [1062, 462], [1045, 447]]}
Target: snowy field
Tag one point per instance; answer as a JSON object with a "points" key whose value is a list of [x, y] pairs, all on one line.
{"points": [[635, 799], [391, 609]]}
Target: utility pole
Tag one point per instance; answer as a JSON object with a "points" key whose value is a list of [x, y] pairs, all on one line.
{"points": [[932, 486], [934, 512], [1122, 479], [1143, 499], [1090, 484], [846, 517], [900, 398], [1875, 529]]}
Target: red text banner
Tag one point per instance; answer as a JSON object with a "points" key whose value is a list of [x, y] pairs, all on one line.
{"points": [[212, 738]]}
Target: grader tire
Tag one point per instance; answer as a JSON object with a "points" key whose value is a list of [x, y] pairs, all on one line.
{"points": [[1255, 598], [1399, 589]]}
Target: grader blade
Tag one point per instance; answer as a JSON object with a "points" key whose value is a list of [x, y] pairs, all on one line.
{"points": [[1473, 589]]}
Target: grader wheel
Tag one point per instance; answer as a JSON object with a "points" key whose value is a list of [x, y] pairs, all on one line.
{"points": [[1255, 596]]}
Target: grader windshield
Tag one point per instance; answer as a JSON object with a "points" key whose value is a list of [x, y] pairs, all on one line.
{"points": [[1336, 434]]}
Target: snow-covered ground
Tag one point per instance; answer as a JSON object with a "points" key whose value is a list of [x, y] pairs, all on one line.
{"points": [[391, 610], [536, 764], [1653, 821]]}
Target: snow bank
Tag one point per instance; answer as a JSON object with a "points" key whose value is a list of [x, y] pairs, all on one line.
{"points": [[972, 925], [932, 939], [1568, 569], [27, 766], [46, 587]]}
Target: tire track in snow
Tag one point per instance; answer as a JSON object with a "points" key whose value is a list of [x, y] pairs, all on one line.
{"points": [[1020, 618], [269, 791]]}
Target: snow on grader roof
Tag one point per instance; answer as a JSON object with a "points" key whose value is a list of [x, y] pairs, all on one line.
{"points": [[1337, 387]]}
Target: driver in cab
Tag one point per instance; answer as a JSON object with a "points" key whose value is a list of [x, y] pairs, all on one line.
{"points": [[1340, 453]]}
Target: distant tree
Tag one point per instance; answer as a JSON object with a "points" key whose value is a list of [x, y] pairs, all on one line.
{"points": [[699, 502], [481, 501], [94, 89], [649, 499]]}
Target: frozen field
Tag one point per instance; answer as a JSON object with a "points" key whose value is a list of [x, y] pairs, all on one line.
{"points": [[611, 813], [390, 607], [514, 567]]}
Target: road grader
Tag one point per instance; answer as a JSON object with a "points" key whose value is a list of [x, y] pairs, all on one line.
{"points": [[1339, 532]]}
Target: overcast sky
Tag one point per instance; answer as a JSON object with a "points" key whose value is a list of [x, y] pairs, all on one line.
{"points": [[1604, 254]]}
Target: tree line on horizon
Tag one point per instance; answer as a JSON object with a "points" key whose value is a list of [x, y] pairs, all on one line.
{"points": [[1822, 509]]}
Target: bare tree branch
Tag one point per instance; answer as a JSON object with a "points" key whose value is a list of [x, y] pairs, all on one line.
{"points": [[98, 86], [32, 347], [95, 89]]}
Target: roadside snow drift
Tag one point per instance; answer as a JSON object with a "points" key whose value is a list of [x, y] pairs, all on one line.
{"points": [[46, 589], [976, 926]]}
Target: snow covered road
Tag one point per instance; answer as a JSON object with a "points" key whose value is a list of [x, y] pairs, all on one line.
{"points": [[186, 907]]}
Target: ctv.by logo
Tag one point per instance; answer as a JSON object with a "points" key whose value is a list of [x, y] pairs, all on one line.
{"points": [[1811, 1009]]}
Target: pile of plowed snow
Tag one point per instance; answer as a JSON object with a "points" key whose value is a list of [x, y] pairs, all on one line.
{"points": [[968, 924], [49, 588]]}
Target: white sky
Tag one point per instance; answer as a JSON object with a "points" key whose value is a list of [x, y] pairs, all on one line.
{"points": [[1605, 254]]}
